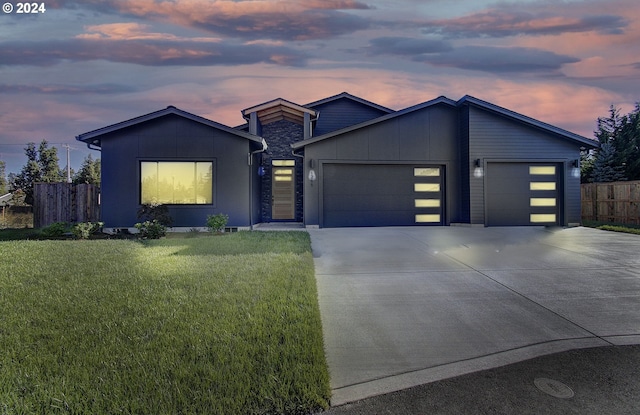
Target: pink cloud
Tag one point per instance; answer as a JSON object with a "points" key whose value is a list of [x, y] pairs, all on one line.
{"points": [[133, 31], [278, 19]]}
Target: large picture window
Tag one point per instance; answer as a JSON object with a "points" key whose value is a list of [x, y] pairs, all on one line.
{"points": [[176, 182]]}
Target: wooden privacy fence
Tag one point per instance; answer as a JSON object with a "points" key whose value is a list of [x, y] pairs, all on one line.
{"points": [[65, 202], [611, 202]]}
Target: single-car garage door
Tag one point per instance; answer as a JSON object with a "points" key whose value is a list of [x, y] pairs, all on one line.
{"points": [[520, 194], [382, 195]]}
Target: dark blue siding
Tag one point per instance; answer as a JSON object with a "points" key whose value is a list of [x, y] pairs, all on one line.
{"points": [[425, 136], [174, 138], [494, 137], [343, 113]]}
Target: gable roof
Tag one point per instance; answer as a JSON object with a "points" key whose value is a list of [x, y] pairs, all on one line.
{"points": [[439, 100], [94, 137], [279, 109], [6, 199], [466, 100], [469, 100], [346, 95]]}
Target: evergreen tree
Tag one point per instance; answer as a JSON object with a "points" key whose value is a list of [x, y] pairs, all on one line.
{"points": [[48, 162], [619, 156], [606, 167], [609, 127], [42, 166], [3, 179], [628, 144], [587, 160], [89, 171]]}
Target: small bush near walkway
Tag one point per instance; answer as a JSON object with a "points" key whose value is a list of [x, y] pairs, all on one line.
{"points": [[174, 326]]}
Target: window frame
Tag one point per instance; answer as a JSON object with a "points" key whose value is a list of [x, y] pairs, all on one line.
{"points": [[190, 160]]}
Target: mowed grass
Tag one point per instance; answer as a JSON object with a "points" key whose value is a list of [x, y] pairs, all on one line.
{"points": [[208, 325]]}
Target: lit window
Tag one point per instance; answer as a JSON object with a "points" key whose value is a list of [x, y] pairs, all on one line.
{"points": [[282, 171], [542, 186], [426, 171], [427, 203], [542, 170], [435, 218], [542, 201], [288, 163], [426, 187], [543, 218], [176, 182]]}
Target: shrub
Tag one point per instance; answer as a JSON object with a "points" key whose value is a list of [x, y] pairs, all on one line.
{"points": [[216, 223], [85, 229], [55, 230], [151, 229], [624, 229], [155, 212]]}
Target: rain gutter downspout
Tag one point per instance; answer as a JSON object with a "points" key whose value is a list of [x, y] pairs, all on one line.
{"points": [[250, 156]]}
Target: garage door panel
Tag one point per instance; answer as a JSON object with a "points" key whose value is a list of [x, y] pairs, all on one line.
{"points": [[381, 195], [387, 203], [366, 187], [520, 194], [368, 218]]}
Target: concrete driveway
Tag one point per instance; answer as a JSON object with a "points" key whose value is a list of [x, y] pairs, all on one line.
{"points": [[406, 306]]}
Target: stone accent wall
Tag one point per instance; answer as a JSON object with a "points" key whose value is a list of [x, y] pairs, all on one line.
{"points": [[279, 136]]}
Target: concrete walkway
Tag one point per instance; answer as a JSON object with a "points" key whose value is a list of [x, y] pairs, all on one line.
{"points": [[407, 306]]}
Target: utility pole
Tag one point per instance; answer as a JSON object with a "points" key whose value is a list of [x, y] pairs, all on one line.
{"points": [[68, 147]]}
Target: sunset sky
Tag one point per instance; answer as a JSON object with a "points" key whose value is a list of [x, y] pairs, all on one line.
{"points": [[82, 65]]}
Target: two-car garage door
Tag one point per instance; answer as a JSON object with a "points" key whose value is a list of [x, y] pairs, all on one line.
{"points": [[516, 194], [382, 195]]}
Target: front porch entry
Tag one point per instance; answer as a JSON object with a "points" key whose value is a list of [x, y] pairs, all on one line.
{"points": [[283, 190]]}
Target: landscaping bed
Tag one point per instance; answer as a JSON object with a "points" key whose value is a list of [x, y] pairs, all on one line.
{"points": [[220, 324]]}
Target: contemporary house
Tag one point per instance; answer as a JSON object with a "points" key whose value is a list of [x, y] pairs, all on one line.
{"points": [[344, 161]]}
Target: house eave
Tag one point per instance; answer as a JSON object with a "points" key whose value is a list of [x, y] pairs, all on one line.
{"points": [[583, 141], [351, 97], [439, 100], [279, 109], [93, 138]]}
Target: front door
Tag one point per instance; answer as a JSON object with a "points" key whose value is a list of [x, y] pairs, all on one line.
{"points": [[283, 190]]}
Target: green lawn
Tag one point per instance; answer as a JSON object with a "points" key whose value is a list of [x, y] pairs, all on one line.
{"points": [[209, 325]]}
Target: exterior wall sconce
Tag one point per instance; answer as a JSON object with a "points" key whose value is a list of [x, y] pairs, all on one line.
{"points": [[478, 171], [312, 172], [575, 169]]}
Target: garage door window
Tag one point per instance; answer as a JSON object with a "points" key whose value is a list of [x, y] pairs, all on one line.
{"points": [[543, 184], [542, 201], [542, 170], [428, 197], [427, 203], [427, 187], [426, 172], [542, 217]]}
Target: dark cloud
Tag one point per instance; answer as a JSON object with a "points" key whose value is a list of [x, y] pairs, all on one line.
{"points": [[66, 89], [146, 52], [511, 22], [307, 25], [249, 20], [500, 59], [406, 46]]}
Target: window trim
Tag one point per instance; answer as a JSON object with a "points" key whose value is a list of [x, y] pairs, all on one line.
{"points": [[214, 188]]}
